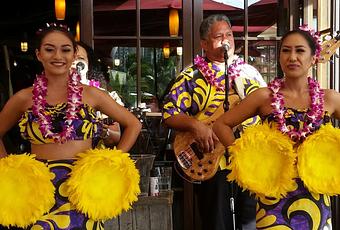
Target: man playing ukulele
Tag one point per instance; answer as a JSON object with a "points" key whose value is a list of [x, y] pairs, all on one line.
{"points": [[196, 94]]}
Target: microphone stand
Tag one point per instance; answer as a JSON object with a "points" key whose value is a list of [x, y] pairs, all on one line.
{"points": [[226, 81], [226, 108]]}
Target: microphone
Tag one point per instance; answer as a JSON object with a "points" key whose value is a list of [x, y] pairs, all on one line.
{"points": [[226, 46], [80, 66]]}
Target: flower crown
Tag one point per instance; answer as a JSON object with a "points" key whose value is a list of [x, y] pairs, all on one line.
{"points": [[316, 37], [53, 25]]}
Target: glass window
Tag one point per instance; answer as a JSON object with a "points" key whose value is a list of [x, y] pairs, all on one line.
{"points": [[263, 56], [123, 74], [262, 18], [119, 56], [161, 62], [109, 16], [161, 20], [116, 39]]}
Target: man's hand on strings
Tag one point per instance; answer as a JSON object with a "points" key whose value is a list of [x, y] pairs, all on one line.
{"points": [[205, 137]]}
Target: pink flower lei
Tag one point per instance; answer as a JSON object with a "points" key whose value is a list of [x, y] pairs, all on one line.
{"points": [[314, 114], [74, 99], [210, 74]]}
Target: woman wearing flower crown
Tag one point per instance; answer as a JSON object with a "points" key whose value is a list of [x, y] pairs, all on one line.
{"points": [[58, 116], [292, 110]]}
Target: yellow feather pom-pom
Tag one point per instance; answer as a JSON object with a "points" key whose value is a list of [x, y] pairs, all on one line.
{"points": [[103, 183], [262, 161], [26, 190], [319, 161]]}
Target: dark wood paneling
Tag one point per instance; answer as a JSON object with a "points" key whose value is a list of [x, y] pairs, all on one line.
{"points": [[86, 22], [187, 32]]}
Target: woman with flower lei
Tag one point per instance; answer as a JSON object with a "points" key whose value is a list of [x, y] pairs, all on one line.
{"points": [[295, 111], [58, 116]]}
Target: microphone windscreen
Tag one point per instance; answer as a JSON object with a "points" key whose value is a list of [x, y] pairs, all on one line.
{"points": [[226, 46]]}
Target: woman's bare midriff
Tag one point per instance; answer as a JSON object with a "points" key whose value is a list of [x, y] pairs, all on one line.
{"points": [[56, 151]]}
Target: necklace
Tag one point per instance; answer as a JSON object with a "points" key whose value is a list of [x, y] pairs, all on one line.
{"points": [[234, 69], [74, 97], [210, 74], [313, 115]]}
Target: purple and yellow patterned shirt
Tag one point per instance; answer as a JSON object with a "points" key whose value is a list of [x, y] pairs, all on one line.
{"points": [[191, 94]]}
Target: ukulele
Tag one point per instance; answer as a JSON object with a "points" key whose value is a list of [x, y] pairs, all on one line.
{"points": [[198, 165]]}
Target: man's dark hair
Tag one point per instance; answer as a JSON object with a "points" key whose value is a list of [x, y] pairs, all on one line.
{"points": [[209, 21]]}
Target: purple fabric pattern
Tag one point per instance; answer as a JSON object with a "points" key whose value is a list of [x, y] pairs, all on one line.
{"points": [[63, 215], [300, 209], [29, 128]]}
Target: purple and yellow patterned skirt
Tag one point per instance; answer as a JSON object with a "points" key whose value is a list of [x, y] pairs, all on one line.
{"points": [[63, 215], [300, 209]]}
